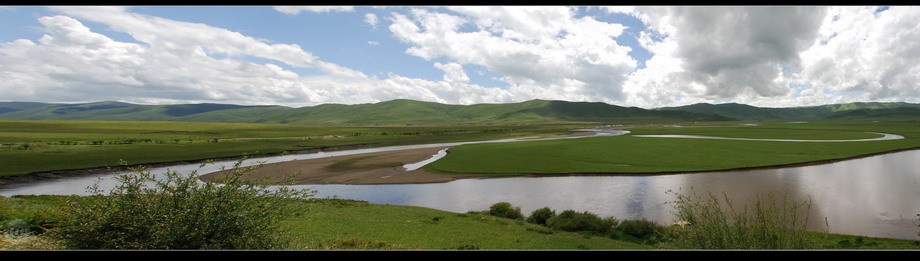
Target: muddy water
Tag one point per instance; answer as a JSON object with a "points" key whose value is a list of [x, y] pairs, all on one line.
{"points": [[874, 196]]}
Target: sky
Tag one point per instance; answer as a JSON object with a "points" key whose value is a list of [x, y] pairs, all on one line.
{"points": [[644, 56]]}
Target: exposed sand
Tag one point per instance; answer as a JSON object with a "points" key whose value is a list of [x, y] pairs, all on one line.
{"points": [[319, 171]]}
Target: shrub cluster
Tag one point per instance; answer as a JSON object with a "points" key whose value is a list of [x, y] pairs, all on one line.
{"points": [[180, 212], [638, 231], [768, 224], [573, 221], [505, 210]]}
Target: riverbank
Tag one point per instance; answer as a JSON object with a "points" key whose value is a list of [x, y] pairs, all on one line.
{"points": [[419, 176], [370, 169]]}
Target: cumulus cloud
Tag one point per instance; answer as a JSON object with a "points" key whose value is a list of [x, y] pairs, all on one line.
{"points": [[866, 54], [764, 56], [179, 62], [294, 10], [734, 51], [541, 52], [721, 53], [371, 19]]}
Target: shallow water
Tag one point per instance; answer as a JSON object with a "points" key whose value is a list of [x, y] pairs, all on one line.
{"points": [[873, 196], [885, 136]]}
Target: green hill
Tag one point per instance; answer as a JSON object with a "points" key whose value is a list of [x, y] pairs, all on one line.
{"points": [[394, 112], [401, 112], [6, 107], [859, 110]]}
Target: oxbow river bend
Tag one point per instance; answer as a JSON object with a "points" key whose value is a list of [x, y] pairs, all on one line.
{"points": [[875, 196]]}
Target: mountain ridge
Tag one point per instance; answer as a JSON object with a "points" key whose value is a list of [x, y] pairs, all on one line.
{"points": [[405, 111]]}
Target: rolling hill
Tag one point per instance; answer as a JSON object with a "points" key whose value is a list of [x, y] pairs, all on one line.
{"points": [[401, 111], [858, 110], [394, 112]]}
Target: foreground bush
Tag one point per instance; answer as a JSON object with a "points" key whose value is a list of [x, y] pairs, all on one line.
{"points": [[766, 225], [540, 216], [505, 210], [180, 212], [641, 231], [573, 221]]}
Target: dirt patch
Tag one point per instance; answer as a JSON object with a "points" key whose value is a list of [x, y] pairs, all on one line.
{"points": [[367, 168]]}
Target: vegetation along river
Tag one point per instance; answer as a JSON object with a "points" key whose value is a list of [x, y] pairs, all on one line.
{"points": [[875, 196]]}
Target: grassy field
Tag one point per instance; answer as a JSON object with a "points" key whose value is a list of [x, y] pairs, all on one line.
{"points": [[631, 154], [345, 225], [35, 146]]}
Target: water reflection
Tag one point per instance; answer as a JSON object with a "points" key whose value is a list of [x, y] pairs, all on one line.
{"points": [[874, 196]]}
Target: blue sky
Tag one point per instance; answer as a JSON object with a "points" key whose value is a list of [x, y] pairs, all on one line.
{"points": [[308, 55]]}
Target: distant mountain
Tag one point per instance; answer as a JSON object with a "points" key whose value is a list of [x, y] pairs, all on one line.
{"points": [[881, 113], [395, 112], [6, 107], [399, 112], [858, 110], [117, 111]]}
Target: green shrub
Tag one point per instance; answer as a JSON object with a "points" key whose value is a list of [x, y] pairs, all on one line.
{"points": [[642, 230], [505, 210], [16, 226], [572, 221], [180, 212], [766, 225], [540, 216]]}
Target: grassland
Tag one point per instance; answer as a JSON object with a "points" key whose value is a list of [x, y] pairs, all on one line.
{"points": [[36, 146], [631, 154], [342, 224]]}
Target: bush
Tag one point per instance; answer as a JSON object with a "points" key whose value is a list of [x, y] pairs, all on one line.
{"points": [[180, 212], [643, 230], [505, 210], [769, 225], [572, 221], [15, 226], [540, 216]]}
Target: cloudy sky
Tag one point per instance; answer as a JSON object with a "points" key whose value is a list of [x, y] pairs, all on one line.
{"points": [[308, 55]]}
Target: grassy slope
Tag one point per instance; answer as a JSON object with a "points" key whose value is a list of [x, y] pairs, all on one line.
{"points": [[60, 145], [867, 110], [330, 224], [404, 227], [395, 112], [650, 155]]}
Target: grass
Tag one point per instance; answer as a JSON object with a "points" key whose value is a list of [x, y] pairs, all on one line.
{"points": [[330, 221], [631, 154], [36, 146], [345, 225]]}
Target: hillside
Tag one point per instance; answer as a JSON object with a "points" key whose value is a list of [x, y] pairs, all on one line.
{"points": [[859, 110], [394, 112]]}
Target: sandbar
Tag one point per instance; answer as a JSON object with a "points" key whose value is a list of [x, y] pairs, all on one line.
{"points": [[365, 169]]}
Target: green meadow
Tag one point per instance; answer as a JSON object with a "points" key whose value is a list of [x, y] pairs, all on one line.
{"points": [[333, 224], [36, 146], [632, 154]]}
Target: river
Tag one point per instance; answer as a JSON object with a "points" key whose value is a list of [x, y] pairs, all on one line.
{"points": [[876, 196]]}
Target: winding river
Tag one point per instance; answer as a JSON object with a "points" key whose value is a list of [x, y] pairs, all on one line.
{"points": [[875, 196]]}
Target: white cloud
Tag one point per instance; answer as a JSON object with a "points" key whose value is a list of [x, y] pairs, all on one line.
{"points": [[542, 52], [294, 10], [178, 36], [861, 52], [721, 53], [737, 54], [178, 62], [371, 19]]}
